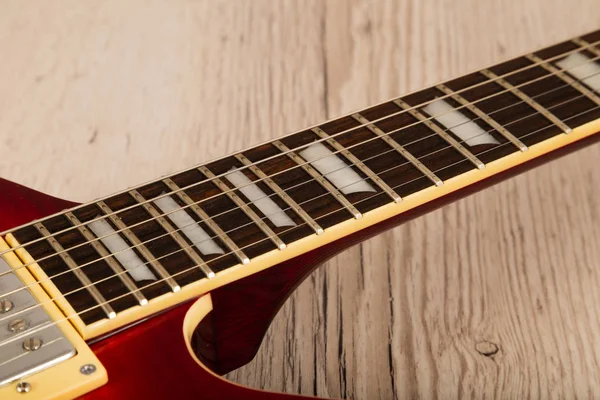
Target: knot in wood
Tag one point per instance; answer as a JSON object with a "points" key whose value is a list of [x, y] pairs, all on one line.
{"points": [[487, 349]]}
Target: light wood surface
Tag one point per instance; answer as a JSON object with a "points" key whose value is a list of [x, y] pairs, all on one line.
{"points": [[493, 296]]}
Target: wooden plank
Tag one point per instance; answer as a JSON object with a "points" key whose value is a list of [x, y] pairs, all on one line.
{"points": [[403, 315]]}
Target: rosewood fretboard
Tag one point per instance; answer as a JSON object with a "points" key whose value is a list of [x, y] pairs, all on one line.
{"points": [[396, 147]]}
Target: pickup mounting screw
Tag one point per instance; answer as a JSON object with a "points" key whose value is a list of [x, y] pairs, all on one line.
{"points": [[5, 306], [87, 369], [18, 325], [23, 387], [32, 344]]}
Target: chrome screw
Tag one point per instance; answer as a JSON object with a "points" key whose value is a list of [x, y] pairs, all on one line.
{"points": [[5, 306], [87, 369], [32, 344], [23, 387], [18, 325]]}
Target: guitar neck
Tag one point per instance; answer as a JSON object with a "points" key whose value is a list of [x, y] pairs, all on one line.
{"points": [[116, 260]]}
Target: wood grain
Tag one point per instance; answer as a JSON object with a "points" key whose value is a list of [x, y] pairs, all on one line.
{"points": [[493, 296]]}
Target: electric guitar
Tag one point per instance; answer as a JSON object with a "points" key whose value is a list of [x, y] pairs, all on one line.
{"points": [[156, 291]]}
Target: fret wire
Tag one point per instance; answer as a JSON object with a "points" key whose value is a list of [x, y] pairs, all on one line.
{"points": [[383, 153], [504, 108], [532, 103], [281, 193], [73, 267], [583, 47], [358, 164], [162, 272], [181, 272], [398, 148], [316, 175], [174, 234], [591, 47], [390, 169], [442, 132], [244, 207], [483, 116], [106, 256], [204, 217], [566, 78]]}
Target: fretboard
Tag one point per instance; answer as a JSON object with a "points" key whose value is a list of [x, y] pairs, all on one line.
{"points": [[129, 249]]}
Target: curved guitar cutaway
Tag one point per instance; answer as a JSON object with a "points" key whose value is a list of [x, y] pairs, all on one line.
{"points": [[181, 352], [154, 358], [201, 304]]}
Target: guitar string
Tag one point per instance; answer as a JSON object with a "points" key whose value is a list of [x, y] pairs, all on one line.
{"points": [[47, 325], [289, 208], [239, 227], [533, 65], [47, 279], [579, 49], [197, 183], [43, 326], [276, 192], [286, 209]]}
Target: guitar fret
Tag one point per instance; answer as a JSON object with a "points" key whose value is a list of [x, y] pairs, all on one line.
{"points": [[358, 164], [112, 263], [281, 193], [207, 220], [566, 78], [582, 43], [399, 149], [173, 233], [244, 207], [484, 117], [528, 100], [445, 135], [316, 175], [141, 244], [162, 272], [73, 267]]}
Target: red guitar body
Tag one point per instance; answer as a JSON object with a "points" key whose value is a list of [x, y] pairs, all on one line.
{"points": [[150, 360], [170, 372]]}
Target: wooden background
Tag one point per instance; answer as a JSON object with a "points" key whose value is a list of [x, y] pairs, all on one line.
{"points": [[494, 296]]}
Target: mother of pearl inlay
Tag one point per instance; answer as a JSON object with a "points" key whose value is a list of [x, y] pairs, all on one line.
{"points": [[459, 124], [335, 169], [121, 250]]}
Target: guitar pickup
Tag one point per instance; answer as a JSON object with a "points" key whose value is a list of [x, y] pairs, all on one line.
{"points": [[41, 353], [29, 339]]}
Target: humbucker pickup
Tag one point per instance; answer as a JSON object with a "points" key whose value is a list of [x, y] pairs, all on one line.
{"points": [[42, 356], [29, 339]]}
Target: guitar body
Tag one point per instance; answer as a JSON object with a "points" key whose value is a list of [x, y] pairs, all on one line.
{"points": [[227, 325], [171, 371]]}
